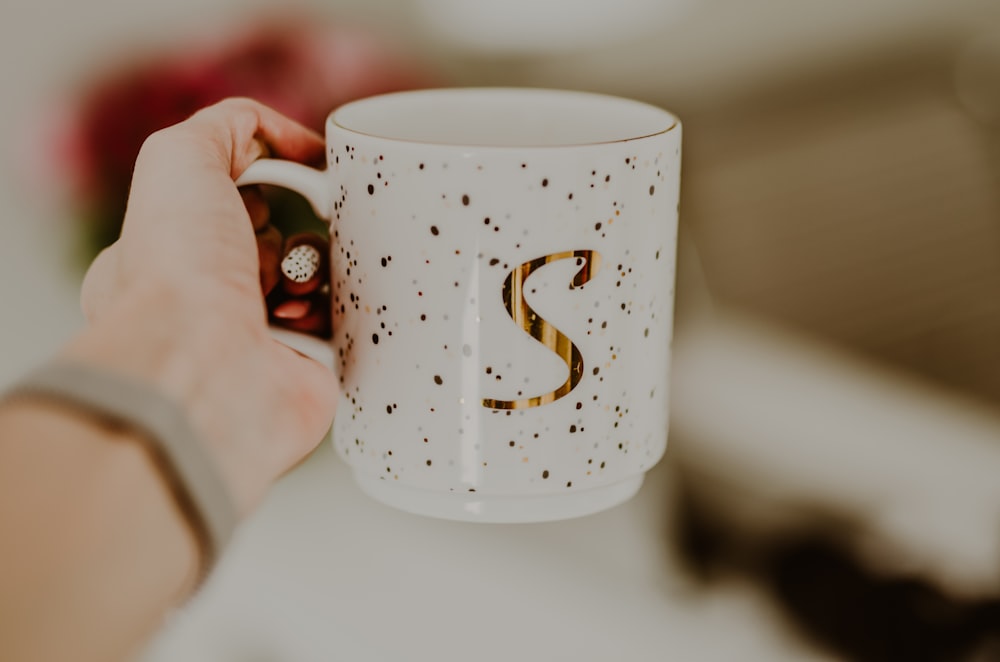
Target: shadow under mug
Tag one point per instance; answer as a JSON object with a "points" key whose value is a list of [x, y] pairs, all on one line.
{"points": [[502, 289]]}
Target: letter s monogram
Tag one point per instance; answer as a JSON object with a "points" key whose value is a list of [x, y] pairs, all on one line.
{"points": [[542, 330]]}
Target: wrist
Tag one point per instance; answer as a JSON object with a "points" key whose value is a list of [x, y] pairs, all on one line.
{"points": [[155, 332], [185, 350], [93, 548], [258, 406]]}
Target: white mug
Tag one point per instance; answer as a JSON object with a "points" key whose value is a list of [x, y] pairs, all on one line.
{"points": [[503, 285]]}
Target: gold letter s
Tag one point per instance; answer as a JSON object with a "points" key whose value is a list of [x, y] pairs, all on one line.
{"points": [[540, 329]]}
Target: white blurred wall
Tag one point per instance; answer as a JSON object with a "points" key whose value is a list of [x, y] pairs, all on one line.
{"points": [[46, 47], [691, 58]]}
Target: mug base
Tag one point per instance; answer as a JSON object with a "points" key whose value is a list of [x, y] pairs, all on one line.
{"points": [[471, 507]]}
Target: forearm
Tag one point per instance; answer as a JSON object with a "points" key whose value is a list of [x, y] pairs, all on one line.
{"points": [[93, 550], [94, 546]]}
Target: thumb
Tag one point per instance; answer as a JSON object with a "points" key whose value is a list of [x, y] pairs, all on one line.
{"points": [[308, 394]]}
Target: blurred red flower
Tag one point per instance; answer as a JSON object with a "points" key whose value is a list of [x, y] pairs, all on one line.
{"points": [[302, 67]]}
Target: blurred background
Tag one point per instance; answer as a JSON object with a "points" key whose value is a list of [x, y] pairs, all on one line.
{"points": [[836, 414]]}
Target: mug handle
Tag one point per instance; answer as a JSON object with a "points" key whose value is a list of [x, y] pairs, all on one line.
{"points": [[311, 184]]}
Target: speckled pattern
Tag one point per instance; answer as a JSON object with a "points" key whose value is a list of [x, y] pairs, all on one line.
{"points": [[301, 263], [424, 238]]}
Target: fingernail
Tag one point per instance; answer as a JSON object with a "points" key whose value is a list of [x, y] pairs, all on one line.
{"points": [[301, 263], [292, 310]]}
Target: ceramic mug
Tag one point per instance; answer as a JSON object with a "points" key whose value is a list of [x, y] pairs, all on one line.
{"points": [[503, 286]]}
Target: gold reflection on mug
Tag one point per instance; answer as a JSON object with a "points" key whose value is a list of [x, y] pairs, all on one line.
{"points": [[541, 329]]}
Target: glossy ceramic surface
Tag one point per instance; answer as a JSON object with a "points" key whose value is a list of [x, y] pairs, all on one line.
{"points": [[503, 274]]}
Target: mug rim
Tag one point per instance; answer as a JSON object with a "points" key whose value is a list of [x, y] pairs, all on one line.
{"points": [[334, 120]]}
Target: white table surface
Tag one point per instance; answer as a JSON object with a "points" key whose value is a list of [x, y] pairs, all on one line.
{"points": [[322, 572]]}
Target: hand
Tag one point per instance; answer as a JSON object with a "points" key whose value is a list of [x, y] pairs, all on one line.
{"points": [[178, 301]]}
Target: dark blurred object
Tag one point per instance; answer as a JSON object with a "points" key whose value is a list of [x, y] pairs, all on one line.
{"points": [[837, 601], [859, 201], [864, 500], [851, 198], [303, 66]]}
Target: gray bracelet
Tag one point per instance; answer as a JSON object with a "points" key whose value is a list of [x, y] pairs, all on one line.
{"points": [[134, 406]]}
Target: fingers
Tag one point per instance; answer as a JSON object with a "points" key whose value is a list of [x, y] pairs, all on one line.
{"points": [[257, 208], [301, 302], [223, 139], [292, 310], [300, 265], [309, 314], [244, 129], [269, 242], [184, 208], [269, 239]]}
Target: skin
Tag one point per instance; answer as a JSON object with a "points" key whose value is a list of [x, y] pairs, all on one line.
{"points": [[94, 550]]}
